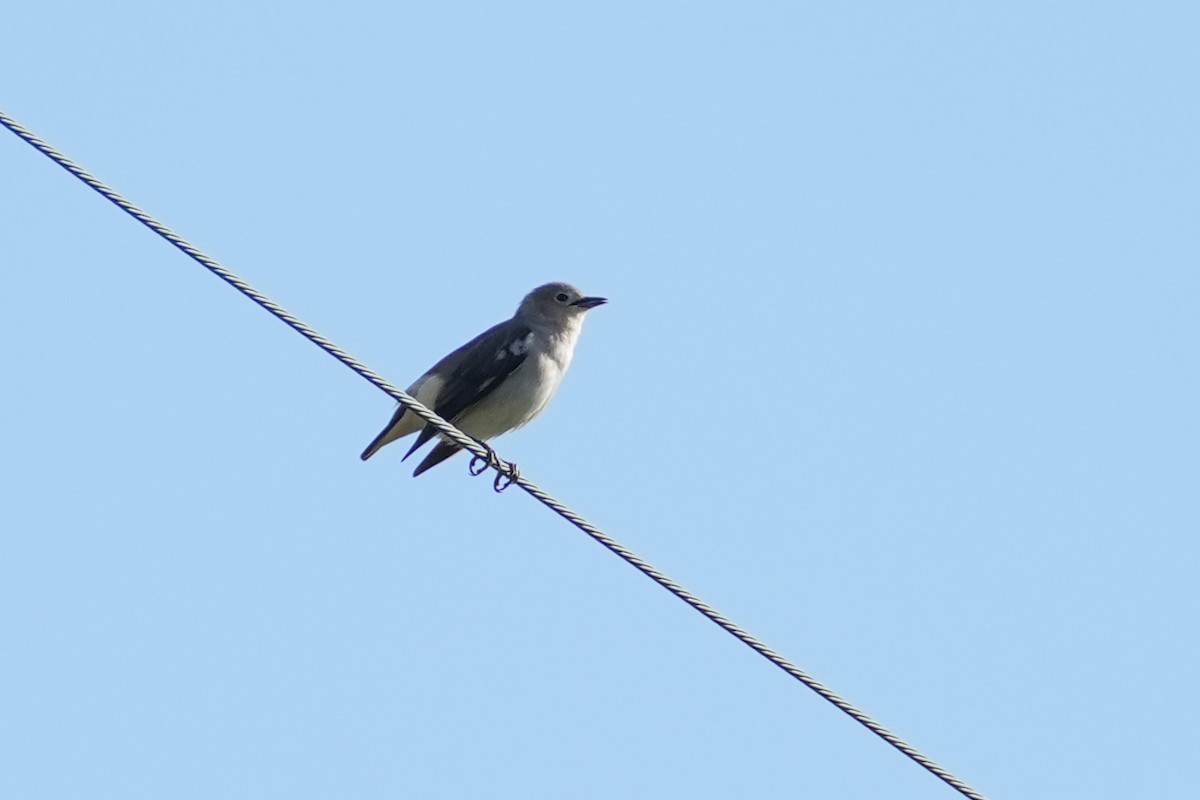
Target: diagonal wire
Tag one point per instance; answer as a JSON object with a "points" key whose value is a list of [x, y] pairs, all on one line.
{"points": [[503, 469]]}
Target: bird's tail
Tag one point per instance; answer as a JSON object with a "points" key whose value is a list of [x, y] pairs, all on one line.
{"points": [[376, 443], [437, 455], [396, 429]]}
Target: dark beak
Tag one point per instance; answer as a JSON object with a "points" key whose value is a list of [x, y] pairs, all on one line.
{"points": [[590, 302]]}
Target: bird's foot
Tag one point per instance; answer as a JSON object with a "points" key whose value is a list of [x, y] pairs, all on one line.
{"points": [[506, 471]]}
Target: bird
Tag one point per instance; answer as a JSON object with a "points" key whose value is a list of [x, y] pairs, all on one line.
{"points": [[498, 381]]}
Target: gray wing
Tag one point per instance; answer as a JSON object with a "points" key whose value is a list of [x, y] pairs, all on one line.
{"points": [[440, 452], [472, 373]]}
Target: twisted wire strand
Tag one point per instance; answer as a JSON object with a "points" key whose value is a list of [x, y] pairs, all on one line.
{"points": [[503, 468], [270, 305]]}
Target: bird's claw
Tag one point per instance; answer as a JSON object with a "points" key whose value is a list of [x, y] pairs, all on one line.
{"points": [[506, 472]]}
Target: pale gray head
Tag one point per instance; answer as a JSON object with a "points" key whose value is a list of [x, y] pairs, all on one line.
{"points": [[556, 304]]}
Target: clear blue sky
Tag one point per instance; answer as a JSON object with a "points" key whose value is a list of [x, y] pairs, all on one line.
{"points": [[899, 372]]}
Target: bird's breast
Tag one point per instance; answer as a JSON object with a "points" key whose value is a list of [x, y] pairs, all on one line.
{"points": [[516, 401]]}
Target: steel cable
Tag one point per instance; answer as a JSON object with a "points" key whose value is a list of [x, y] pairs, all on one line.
{"points": [[505, 470]]}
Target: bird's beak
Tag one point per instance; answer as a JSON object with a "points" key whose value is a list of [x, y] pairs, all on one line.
{"points": [[590, 302]]}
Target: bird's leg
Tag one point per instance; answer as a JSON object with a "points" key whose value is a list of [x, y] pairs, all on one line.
{"points": [[505, 480], [479, 464], [504, 477]]}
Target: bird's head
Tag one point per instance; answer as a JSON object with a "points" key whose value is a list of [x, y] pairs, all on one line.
{"points": [[557, 304]]}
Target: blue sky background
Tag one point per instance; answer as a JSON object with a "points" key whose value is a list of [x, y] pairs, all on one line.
{"points": [[899, 373]]}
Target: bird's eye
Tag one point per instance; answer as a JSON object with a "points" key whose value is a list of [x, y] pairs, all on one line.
{"points": [[561, 297]]}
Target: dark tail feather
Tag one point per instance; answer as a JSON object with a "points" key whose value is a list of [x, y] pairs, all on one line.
{"points": [[372, 448], [422, 438], [380, 440], [436, 456]]}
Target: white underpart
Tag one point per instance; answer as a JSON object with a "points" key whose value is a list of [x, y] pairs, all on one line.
{"points": [[426, 390], [526, 391]]}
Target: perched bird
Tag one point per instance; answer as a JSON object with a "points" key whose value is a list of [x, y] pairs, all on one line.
{"points": [[499, 380]]}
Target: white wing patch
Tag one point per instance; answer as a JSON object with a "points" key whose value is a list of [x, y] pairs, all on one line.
{"points": [[427, 391], [521, 346], [517, 347]]}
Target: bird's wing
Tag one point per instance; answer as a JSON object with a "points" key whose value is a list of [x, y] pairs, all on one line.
{"points": [[473, 372], [440, 452]]}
